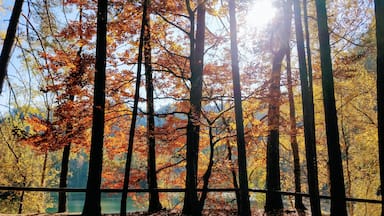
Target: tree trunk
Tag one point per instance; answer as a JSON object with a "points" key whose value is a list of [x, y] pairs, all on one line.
{"points": [[123, 204], [208, 172], [234, 176], [67, 149], [193, 126], [347, 144], [379, 8], [93, 194], [308, 46], [309, 115], [233, 171], [21, 202], [244, 208], [293, 136], [63, 178], [338, 204], [230, 158], [274, 203], [9, 40], [154, 201], [42, 180]]}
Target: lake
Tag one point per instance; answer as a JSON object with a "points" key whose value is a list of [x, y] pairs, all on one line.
{"points": [[110, 203]]}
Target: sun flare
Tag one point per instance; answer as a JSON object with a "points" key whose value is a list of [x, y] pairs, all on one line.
{"points": [[260, 14]]}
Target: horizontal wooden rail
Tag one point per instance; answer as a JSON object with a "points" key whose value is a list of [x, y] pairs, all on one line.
{"points": [[172, 190]]}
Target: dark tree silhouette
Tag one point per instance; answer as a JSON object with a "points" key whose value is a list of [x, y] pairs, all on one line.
{"points": [[154, 202], [67, 149], [338, 204], [308, 47], [191, 202], [309, 115], [9, 40], [93, 195], [64, 174], [293, 137], [244, 208], [123, 204], [379, 14]]}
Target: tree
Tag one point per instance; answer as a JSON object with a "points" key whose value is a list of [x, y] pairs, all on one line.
{"points": [[379, 8], [154, 202], [93, 194], [308, 46], [193, 126], [20, 166], [75, 80], [143, 30], [338, 204], [308, 112], [274, 203], [293, 137], [244, 208], [9, 40]]}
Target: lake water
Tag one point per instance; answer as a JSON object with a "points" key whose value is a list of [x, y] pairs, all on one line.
{"points": [[110, 203]]}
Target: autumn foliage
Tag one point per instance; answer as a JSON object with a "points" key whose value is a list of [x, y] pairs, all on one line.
{"points": [[187, 48]]}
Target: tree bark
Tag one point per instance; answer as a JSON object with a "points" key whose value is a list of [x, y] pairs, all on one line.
{"points": [[75, 75], [63, 178], [274, 203], [193, 127], [123, 204], [208, 172], [379, 15], [309, 115], [338, 203], [9, 40], [233, 170], [93, 194], [244, 208], [293, 138], [154, 201], [308, 46]]}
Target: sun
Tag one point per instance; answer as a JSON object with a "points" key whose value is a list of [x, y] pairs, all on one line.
{"points": [[260, 14]]}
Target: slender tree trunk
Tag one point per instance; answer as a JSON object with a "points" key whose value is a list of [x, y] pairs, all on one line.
{"points": [[347, 144], [42, 180], [21, 202], [233, 170], [193, 126], [309, 115], [20, 210], [74, 81], [63, 178], [338, 204], [208, 172], [123, 204], [93, 194], [293, 136], [308, 46], [9, 40], [75, 75], [244, 208], [234, 176], [379, 14], [230, 158], [154, 201]]}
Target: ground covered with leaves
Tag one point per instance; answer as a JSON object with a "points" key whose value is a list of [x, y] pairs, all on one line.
{"points": [[207, 212]]}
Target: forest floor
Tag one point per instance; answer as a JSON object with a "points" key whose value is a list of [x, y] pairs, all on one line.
{"points": [[208, 212]]}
